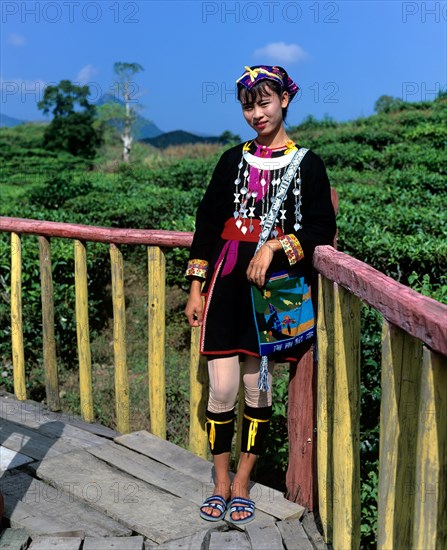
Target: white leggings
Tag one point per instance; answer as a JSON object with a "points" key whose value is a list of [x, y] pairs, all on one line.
{"points": [[224, 374]]}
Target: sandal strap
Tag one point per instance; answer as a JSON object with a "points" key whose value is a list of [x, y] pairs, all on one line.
{"points": [[239, 504], [210, 502]]}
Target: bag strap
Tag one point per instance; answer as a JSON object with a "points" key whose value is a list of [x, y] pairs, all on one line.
{"points": [[263, 381], [280, 196]]}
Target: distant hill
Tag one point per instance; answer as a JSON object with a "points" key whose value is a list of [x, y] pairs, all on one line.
{"points": [[178, 137], [9, 121], [143, 127]]}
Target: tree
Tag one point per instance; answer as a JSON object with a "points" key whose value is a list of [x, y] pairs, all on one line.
{"points": [[125, 85], [387, 103], [72, 128], [228, 138]]}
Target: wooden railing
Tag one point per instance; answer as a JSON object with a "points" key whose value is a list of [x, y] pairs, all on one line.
{"points": [[413, 433], [412, 500]]}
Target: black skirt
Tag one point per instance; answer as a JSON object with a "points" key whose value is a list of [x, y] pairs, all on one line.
{"points": [[228, 323]]}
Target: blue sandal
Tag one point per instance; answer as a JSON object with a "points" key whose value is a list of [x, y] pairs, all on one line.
{"points": [[239, 504], [217, 503]]}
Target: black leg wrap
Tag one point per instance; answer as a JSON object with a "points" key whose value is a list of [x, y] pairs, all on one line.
{"points": [[220, 428], [255, 426]]}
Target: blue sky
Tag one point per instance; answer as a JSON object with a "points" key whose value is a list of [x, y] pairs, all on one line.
{"points": [[343, 54]]}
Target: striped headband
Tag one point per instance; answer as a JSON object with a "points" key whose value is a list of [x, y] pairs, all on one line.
{"points": [[253, 75]]}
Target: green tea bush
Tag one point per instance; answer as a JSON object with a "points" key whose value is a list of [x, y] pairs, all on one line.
{"points": [[58, 189]]}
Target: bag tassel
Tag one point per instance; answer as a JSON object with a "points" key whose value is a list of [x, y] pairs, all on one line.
{"points": [[263, 380]]}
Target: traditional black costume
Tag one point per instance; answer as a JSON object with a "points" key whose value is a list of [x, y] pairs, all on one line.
{"points": [[236, 207], [228, 224]]}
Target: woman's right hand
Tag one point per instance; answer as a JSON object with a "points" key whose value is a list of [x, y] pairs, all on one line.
{"points": [[194, 307]]}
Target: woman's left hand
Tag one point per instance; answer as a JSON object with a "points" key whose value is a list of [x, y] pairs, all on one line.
{"points": [[259, 264]]}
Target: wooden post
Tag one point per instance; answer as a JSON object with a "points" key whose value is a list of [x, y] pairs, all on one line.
{"points": [[198, 442], [122, 397], [83, 331], [49, 343], [325, 404], [300, 478], [156, 344], [18, 356], [401, 368], [430, 517], [346, 433]]}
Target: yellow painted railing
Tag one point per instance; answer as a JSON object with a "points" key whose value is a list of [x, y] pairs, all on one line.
{"points": [[156, 241], [413, 434], [412, 500]]}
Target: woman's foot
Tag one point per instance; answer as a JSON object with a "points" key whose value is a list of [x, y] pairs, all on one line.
{"points": [[241, 483], [240, 490], [221, 489]]}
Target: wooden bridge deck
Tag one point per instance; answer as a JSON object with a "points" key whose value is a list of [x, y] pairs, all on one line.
{"points": [[71, 485]]}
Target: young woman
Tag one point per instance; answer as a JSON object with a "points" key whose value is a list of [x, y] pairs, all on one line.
{"points": [[223, 255]]}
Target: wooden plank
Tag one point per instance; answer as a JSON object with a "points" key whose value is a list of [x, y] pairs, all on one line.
{"points": [[49, 342], [293, 535], [156, 340], [312, 532], [33, 415], [420, 316], [325, 403], [33, 520], [346, 435], [264, 537], [152, 472], [159, 475], [12, 459], [192, 542], [139, 506], [229, 539], [34, 444], [122, 394], [42, 509], [83, 331], [267, 499], [198, 384], [113, 543], [153, 237], [430, 517], [58, 543], [14, 539], [18, 356], [401, 372]]}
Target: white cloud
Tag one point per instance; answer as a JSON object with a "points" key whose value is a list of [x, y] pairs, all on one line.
{"points": [[16, 40], [86, 74], [280, 52]]}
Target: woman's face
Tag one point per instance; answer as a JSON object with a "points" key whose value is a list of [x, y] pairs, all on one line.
{"points": [[264, 115]]}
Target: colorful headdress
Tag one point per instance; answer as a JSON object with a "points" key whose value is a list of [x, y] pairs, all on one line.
{"points": [[277, 74]]}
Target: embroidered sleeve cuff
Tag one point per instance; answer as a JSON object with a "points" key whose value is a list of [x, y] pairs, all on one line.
{"points": [[292, 247], [197, 268]]}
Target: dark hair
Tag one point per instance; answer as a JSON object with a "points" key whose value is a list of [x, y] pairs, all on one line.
{"points": [[261, 89]]}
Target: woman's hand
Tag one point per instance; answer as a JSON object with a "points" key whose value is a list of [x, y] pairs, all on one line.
{"points": [[194, 307], [260, 262]]}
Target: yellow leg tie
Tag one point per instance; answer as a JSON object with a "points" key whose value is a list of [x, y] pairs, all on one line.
{"points": [[213, 429], [253, 429]]}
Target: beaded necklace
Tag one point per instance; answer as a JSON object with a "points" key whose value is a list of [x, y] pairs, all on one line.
{"points": [[259, 174]]}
